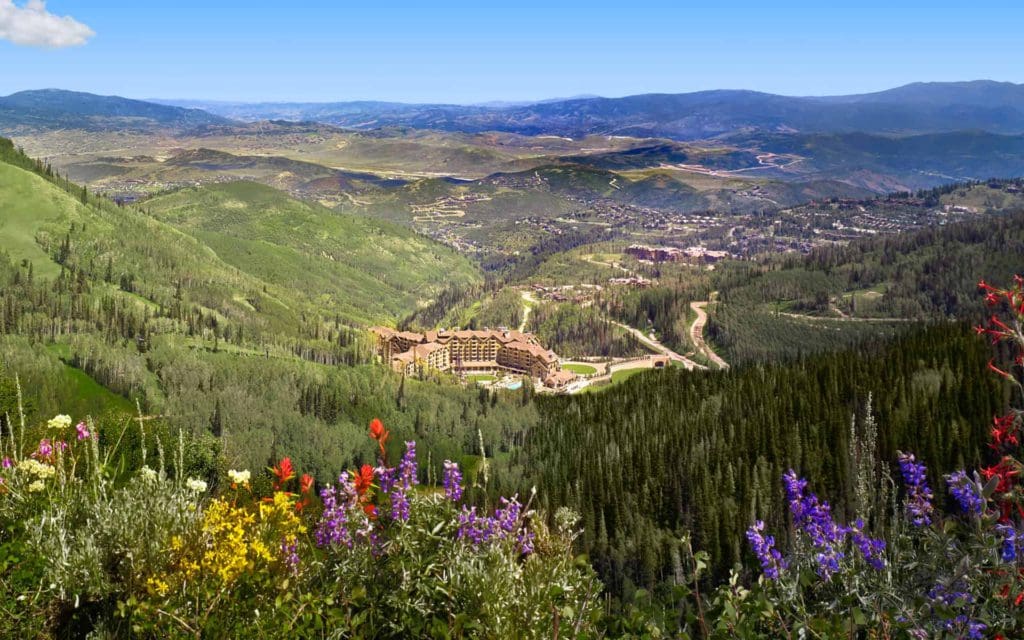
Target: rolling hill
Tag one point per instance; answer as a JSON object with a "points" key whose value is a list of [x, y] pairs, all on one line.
{"points": [[243, 251], [366, 270], [58, 109]]}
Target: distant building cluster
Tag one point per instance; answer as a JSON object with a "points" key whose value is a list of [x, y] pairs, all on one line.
{"points": [[674, 254], [470, 351]]}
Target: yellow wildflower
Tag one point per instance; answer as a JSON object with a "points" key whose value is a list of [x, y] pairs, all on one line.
{"points": [[156, 586]]}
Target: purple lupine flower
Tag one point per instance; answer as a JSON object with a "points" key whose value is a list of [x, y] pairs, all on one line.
{"points": [[794, 487], [976, 630], [1008, 551], [955, 598], [82, 430], [399, 504], [452, 481], [386, 478], [919, 496], [524, 541], [474, 528], [814, 518], [871, 548], [333, 526], [965, 491], [407, 467], [507, 516], [290, 552], [771, 559]]}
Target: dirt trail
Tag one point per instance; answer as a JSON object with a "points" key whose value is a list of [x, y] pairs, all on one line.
{"points": [[528, 302]]}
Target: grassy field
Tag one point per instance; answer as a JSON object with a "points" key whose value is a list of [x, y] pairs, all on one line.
{"points": [[580, 369], [28, 203], [481, 377]]}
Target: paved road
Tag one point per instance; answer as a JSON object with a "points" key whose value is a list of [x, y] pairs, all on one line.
{"points": [[697, 335], [656, 346]]}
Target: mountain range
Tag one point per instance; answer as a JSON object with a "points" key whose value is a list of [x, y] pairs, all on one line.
{"points": [[997, 107]]}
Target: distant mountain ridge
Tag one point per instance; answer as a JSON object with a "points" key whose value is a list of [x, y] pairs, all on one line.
{"points": [[58, 109], [939, 107]]}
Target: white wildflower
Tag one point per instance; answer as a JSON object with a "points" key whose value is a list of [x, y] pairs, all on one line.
{"points": [[147, 474], [36, 486], [61, 421], [196, 485], [239, 477], [34, 467]]}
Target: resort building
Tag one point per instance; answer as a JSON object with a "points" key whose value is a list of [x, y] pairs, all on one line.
{"points": [[470, 351]]}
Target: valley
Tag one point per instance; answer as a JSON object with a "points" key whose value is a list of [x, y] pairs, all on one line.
{"points": [[641, 310]]}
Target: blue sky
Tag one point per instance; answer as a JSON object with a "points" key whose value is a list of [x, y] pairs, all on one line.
{"points": [[464, 52]]}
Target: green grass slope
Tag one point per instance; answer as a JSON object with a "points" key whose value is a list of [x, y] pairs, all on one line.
{"points": [[364, 269]]}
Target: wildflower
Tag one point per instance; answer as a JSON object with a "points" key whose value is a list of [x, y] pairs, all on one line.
{"points": [[399, 504], [452, 481], [998, 371], [965, 491], [919, 496], [61, 421], [283, 472], [6, 463], [363, 480], [771, 559], [36, 486], [507, 515], [290, 551], [44, 450], [333, 526], [380, 434], [871, 548], [147, 474], [1004, 431], [239, 477], [196, 485], [156, 586], [814, 518], [406, 478], [386, 476], [474, 528], [305, 486], [1008, 551], [33, 467], [407, 467], [82, 430]]}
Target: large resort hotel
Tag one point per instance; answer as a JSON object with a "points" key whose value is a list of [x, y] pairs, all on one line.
{"points": [[487, 351]]}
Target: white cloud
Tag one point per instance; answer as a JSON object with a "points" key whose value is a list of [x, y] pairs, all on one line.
{"points": [[33, 26]]}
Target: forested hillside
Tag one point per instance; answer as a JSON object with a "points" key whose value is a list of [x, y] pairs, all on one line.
{"points": [[842, 293], [104, 306], [675, 451]]}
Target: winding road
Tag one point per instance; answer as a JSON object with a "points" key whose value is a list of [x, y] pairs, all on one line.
{"points": [[697, 335], [657, 347]]}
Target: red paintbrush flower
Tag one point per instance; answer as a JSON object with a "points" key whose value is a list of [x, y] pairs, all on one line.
{"points": [[283, 472], [1004, 431], [999, 371], [363, 479], [305, 483], [379, 433], [370, 510]]}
